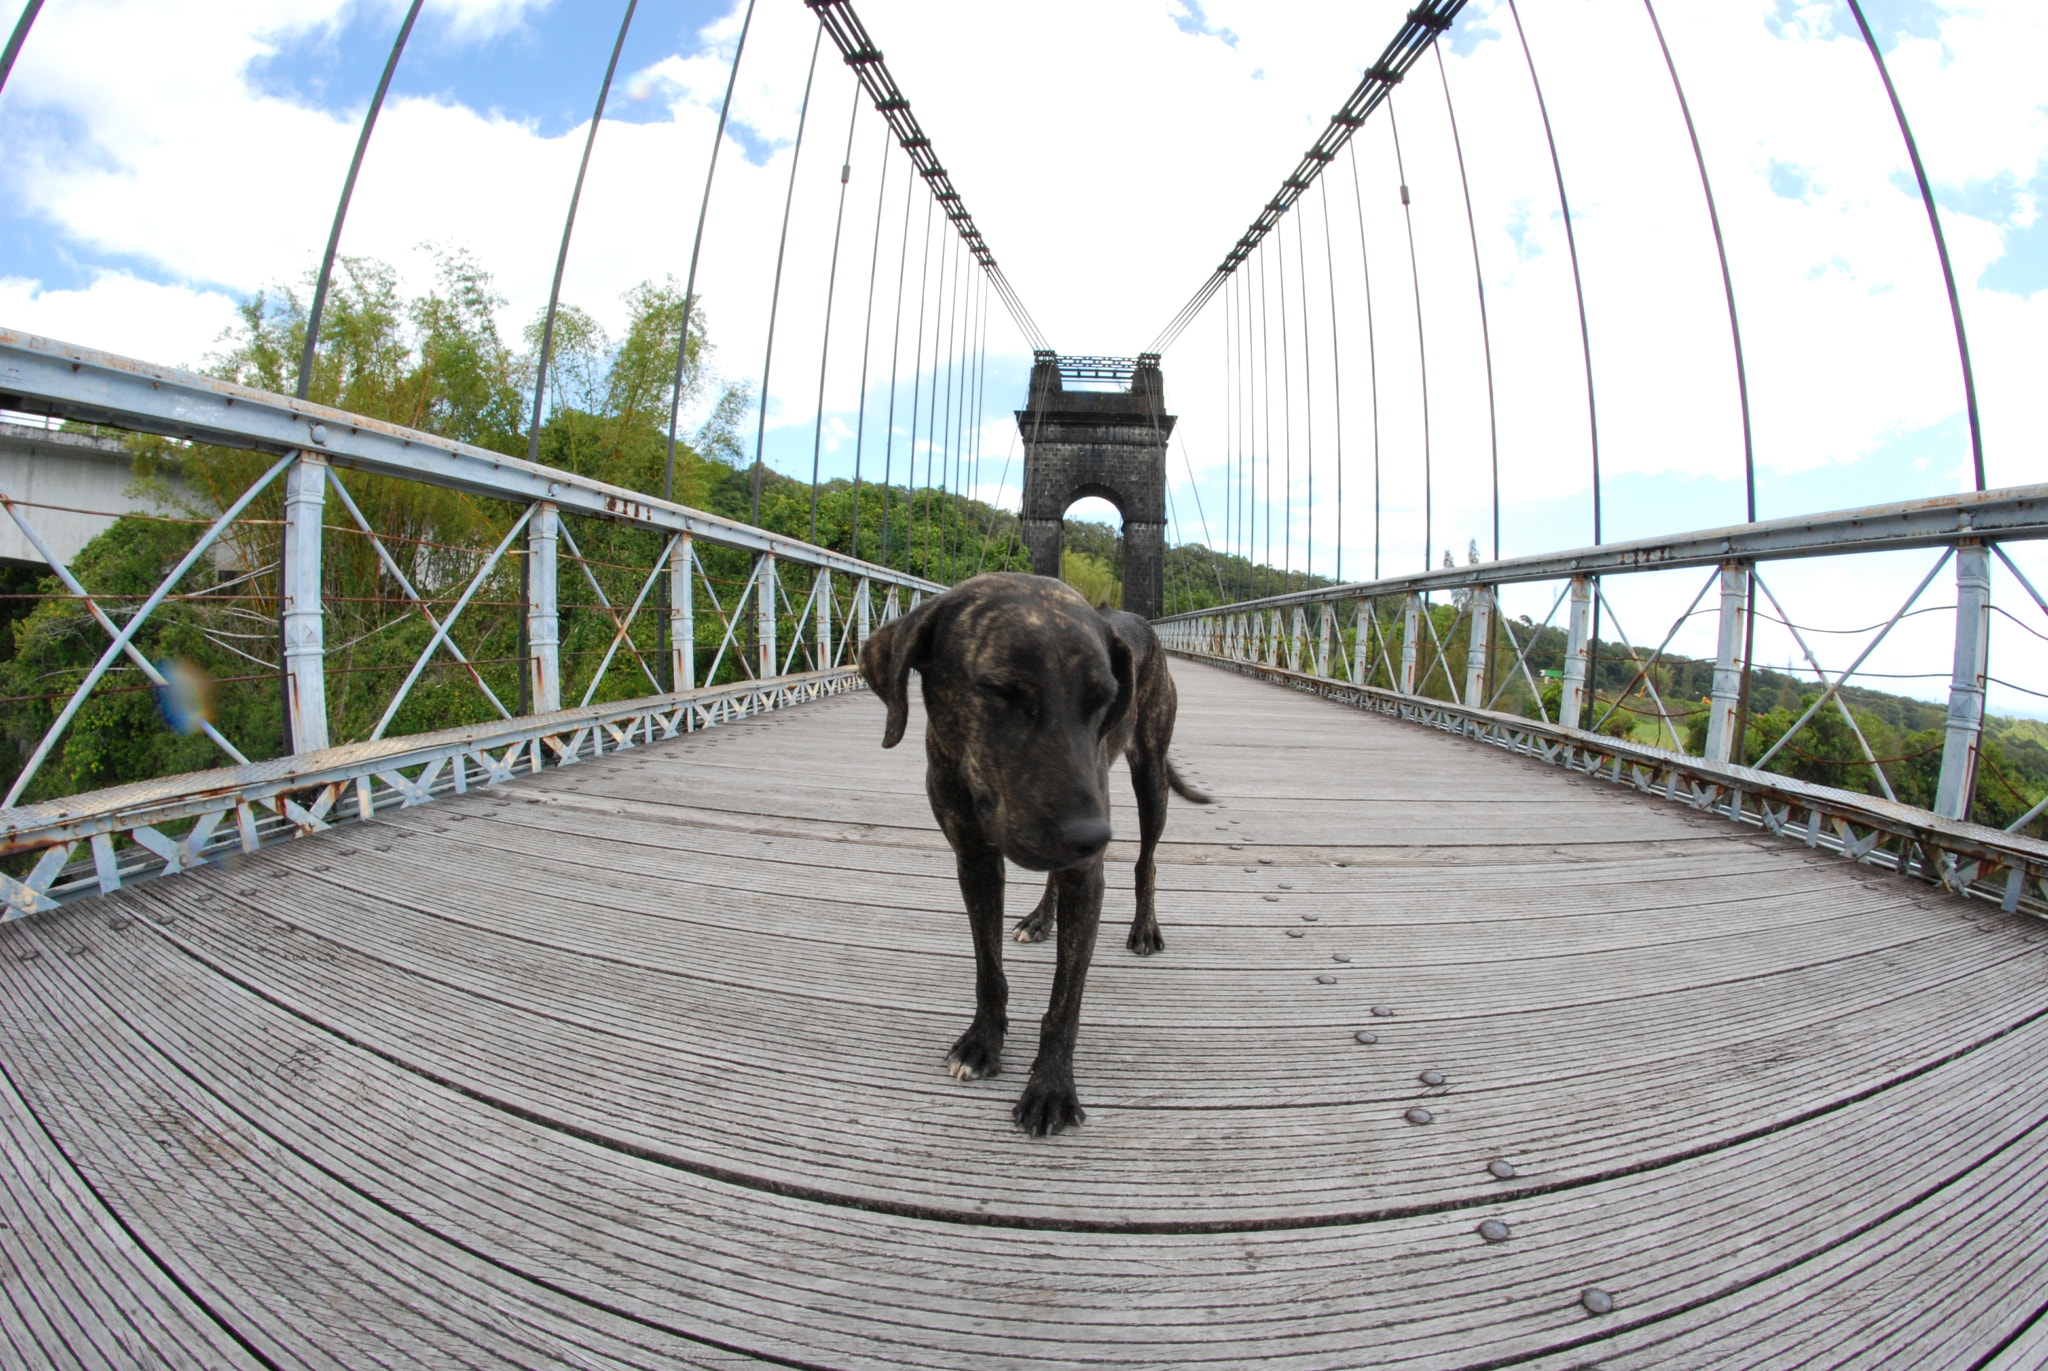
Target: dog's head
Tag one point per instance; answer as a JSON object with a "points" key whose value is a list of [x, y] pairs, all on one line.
{"points": [[1024, 686]]}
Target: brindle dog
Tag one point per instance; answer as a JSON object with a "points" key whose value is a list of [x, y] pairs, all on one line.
{"points": [[1029, 695]]}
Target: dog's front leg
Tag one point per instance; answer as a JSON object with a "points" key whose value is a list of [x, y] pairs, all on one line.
{"points": [[1033, 927], [980, 1049], [1049, 1102]]}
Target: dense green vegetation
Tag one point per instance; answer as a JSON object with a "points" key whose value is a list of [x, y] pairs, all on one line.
{"points": [[437, 362], [1904, 735]]}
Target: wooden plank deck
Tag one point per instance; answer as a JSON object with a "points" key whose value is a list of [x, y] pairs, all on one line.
{"points": [[640, 1063]]}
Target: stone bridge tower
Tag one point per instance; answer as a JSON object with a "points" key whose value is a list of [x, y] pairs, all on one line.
{"points": [[1110, 443]]}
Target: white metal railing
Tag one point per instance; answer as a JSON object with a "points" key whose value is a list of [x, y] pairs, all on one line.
{"points": [[1339, 640], [245, 803]]}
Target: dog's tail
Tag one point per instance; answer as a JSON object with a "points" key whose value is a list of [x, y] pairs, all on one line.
{"points": [[1181, 787]]}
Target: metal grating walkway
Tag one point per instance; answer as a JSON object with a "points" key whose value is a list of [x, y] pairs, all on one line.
{"points": [[640, 1064]]}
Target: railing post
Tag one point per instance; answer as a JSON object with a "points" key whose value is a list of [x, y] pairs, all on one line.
{"points": [[863, 589], [1577, 651], [1361, 647], [1411, 634], [682, 618], [543, 631], [302, 623], [1966, 685], [765, 616], [1326, 621], [1727, 697], [1477, 682], [822, 595]]}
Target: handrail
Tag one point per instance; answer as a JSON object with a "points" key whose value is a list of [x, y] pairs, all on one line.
{"points": [[44, 376], [2011, 512], [1964, 857]]}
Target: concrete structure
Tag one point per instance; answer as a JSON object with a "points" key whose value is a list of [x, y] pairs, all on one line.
{"points": [[1111, 444], [65, 475]]}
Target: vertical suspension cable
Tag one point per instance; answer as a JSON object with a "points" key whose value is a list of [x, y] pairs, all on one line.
{"points": [[947, 448], [1578, 285], [1228, 288], [935, 454], [1585, 337], [348, 185], [982, 286], [1247, 445], [831, 289], [675, 403], [1308, 401], [775, 297], [1195, 487], [1266, 367], [1336, 365], [1372, 353], [895, 351], [1739, 750], [311, 345], [1421, 345], [1286, 423], [1486, 332], [867, 338], [547, 332], [1948, 274], [20, 36], [924, 273]]}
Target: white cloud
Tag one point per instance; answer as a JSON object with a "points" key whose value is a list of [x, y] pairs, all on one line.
{"points": [[1111, 174], [175, 324]]}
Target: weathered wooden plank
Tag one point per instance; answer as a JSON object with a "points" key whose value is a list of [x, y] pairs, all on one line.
{"points": [[1433, 1273], [307, 1270], [647, 1068]]}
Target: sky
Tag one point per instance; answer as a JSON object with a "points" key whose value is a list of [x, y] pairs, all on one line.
{"points": [[168, 158]]}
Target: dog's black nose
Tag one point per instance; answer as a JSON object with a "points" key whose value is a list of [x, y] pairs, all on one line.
{"points": [[1085, 837]]}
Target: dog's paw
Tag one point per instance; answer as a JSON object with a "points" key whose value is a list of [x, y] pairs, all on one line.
{"points": [[1145, 939], [1048, 1105], [1034, 927], [979, 1053]]}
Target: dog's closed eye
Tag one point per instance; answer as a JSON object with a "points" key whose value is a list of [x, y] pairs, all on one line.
{"points": [[1007, 693]]}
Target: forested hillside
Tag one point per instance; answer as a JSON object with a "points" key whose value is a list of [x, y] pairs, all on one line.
{"points": [[437, 362]]}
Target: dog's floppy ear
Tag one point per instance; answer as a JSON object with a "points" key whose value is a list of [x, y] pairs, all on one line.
{"points": [[886, 661], [1125, 670]]}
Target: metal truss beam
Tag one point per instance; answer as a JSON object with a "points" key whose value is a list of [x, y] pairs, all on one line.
{"points": [[312, 791], [861, 54], [43, 376], [1418, 31], [2010, 514], [1971, 860]]}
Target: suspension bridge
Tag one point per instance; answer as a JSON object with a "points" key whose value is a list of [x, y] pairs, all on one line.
{"points": [[607, 1029]]}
